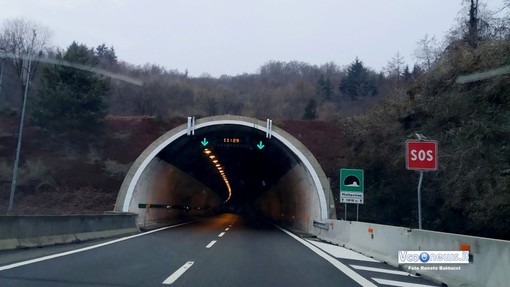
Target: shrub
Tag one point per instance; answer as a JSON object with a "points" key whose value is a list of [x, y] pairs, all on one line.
{"points": [[116, 169]]}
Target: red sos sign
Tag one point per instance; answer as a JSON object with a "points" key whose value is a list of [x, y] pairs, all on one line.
{"points": [[421, 155]]}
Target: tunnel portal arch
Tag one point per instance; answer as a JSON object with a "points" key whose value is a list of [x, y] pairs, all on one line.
{"points": [[318, 178]]}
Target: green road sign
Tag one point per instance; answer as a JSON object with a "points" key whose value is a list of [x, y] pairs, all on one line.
{"points": [[351, 185], [351, 180]]}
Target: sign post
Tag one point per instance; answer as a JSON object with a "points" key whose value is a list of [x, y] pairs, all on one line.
{"points": [[421, 156], [351, 188]]}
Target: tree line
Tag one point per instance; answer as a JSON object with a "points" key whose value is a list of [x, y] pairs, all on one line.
{"points": [[66, 97]]}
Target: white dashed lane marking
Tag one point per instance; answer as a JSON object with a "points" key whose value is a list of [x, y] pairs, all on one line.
{"points": [[221, 234], [172, 278], [210, 244]]}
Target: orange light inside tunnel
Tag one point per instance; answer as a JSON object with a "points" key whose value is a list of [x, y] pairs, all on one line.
{"points": [[221, 171]]}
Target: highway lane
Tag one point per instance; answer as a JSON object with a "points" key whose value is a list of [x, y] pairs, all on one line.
{"points": [[227, 250]]}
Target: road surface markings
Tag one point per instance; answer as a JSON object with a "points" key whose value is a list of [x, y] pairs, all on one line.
{"points": [[340, 266], [210, 244], [172, 278], [221, 234], [344, 253], [341, 252], [399, 284], [382, 270], [226, 229], [48, 257]]}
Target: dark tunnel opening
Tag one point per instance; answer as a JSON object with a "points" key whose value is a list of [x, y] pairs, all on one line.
{"points": [[241, 156]]}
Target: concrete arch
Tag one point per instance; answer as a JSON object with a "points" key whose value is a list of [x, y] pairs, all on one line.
{"points": [[308, 161]]}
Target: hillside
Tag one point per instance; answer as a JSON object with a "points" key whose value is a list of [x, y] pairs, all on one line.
{"points": [[81, 174]]}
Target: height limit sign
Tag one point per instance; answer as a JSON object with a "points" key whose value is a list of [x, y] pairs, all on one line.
{"points": [[351, 186]]}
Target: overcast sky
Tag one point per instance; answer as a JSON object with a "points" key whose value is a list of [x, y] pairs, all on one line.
{"points": [[235, 36]]}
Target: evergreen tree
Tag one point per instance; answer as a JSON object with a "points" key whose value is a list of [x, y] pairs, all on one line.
{"points": [[324, 87], [71, 98], [106, 56], [310, 110], [406, 75], [358, 82]]}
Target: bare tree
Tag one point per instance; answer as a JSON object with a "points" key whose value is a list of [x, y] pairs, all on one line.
{"points": [[20, 38], [395, 68], [427, 51]]}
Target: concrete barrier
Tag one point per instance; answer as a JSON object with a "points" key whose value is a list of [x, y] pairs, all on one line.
{"points": [[37, 231], [489, 263]]}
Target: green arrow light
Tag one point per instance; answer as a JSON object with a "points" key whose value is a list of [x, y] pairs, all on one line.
{"points": [[260, 145], [204, 142]]}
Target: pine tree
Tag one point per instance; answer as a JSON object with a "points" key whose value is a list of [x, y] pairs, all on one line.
{"points": [[324, 87], [358, 82], [71, 98], [310, 110]]}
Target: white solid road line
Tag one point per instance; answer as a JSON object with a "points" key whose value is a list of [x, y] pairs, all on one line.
{"points": [[171, 279], [341, 252], [210, 244], [340, 266], [35, 260], [381, 270], [221, 234], [399, 284]]}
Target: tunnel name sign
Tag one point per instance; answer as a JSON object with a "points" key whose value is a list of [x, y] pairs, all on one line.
{"points": [[351, 185]]}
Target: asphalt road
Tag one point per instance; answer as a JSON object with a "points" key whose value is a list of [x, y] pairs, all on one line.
{"points": [[227, 250]]}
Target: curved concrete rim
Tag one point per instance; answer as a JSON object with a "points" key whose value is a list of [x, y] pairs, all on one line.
{"points": [[166, 139]]}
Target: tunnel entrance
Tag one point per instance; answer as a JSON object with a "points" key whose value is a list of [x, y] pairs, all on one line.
{"points": [[227, 163]]}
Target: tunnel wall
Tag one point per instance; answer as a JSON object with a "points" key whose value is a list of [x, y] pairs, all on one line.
{"points": [[290, 201], [143, 165], [163, 184]]}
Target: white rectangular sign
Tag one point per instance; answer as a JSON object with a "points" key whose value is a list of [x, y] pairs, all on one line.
{"points": [[351, 197], [433, 257]]}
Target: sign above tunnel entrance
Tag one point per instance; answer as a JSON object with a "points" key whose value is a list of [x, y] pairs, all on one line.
{"points": [[234, 140], [351, 185]]}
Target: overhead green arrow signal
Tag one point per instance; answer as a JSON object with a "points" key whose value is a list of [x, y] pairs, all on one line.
{"points": [[260, 145], [204, 142]]}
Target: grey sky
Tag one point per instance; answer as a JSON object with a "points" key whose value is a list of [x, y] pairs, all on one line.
{"points": [[236, 36]]}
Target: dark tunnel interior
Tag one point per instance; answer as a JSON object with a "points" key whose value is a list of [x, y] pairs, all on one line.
{"points": [[239, 155]]}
